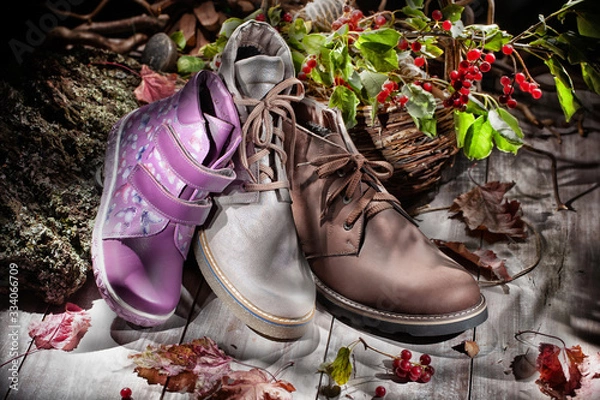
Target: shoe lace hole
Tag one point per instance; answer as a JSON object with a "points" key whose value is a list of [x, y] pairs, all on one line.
{"points": [[341, 173], [347, 200], [347, 226]]}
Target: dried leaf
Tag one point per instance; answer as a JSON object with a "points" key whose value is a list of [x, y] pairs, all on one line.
{"points": [[468, 347], [154, 86], [254, 384], [339, 369], [192, 367], [485, 208], [553, 381], [61, 331], [485, 261]]}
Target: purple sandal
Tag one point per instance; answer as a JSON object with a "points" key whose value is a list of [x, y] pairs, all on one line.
{"points": [[162, 162]]}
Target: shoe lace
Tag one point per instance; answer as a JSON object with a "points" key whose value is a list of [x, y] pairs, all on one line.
{"points": [[259, 130], [354, 168]]}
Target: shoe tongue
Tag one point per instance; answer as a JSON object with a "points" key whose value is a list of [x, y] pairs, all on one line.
{"points": [[258, 74]]}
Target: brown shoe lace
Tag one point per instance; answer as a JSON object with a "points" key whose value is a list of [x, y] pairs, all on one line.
{"points": [[260, 131], [354, 169]]}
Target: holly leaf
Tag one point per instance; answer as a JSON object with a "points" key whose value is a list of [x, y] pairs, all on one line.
{"points": [[346, 101], [339, 369], [484, 208], [552, 380], [254, 384], [154, 86], [195, 367], [61, 331], [481, 261]]}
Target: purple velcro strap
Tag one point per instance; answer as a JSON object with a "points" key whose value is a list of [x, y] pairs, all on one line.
{"points": [[186, 168], [177, 210]]}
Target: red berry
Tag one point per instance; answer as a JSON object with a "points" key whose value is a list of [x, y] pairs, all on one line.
{"points": [[405, 354], [311, 63], [465, 91], [402, 99], [400, 373], [287, 17], [415, 373], [519, 77], [437, 15], [508, 89], [397, 361], [503, 99], [430, 369], [419, 61], [427, 86], [403, 44], [380, 20], [261, 17], [454, 75], [390, 86], [425, 359], [380, 391], [505, 80], [507, 49], [335, 25], [525, 87], [416, 47], [302, 75], [536, 93], [473, 54], [485, 66], [347, 8], [464, 65], [356, 15], [425, 377], [478, 76], [126, 393], [306, 69], [466, 84], [382, 96], [511, 103], [490, 57], [447, 25]]}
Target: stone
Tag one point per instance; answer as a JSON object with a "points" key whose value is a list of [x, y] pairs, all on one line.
{"points": [[56, 116], [160, 53]]}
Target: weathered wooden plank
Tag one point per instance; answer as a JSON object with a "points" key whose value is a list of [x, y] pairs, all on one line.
{"points": [[563, 290]]}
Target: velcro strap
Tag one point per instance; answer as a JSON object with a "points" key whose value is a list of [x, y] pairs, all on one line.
{"points": [[186, 168], [177, 210]]}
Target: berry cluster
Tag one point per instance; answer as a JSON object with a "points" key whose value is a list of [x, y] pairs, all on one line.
{"points": [[307, 67], [350, 17], [469, 71], [420, 371], [437, 16], [508, 88], [387, 92]]}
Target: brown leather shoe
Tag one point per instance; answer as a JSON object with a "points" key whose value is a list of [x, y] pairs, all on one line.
{"points": [[372, 265]]}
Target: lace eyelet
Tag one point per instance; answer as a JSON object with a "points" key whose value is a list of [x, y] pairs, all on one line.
{"points": [[346, 200], [341, 173], [348, 227]]}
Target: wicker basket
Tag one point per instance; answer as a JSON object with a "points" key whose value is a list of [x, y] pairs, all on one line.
{"points": [[418, 160]]}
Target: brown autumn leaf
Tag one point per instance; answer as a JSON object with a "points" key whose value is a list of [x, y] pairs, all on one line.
{"points": [[553, 381], [484, 208], [195, 367], [485, 261], [154, 86], [254, 384]]}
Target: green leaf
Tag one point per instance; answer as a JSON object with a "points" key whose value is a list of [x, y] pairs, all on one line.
{"points": [[346, 101], [564, 87], [506, 125], [417, 24], [378, 48], [339, 369], [421, 104], [462, 122], [586, 25], [453, 12], [427, 125], [591, 76], [189, 64], [372, 82], [313, 43], [497, 40], [415, 3], [179, 40], [295, 35], [414, 12], [504, 145], [230, 25], [478, 140]]}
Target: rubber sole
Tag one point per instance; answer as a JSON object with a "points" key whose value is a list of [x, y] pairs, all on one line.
{"points": [[262, 322], [117, 304], [387, 322]]}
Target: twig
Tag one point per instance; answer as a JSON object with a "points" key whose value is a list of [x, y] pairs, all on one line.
{"points": [[560, 204], [369, 347], [121, 46], [139, 23]]}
